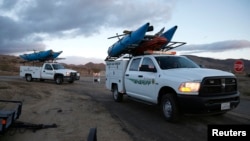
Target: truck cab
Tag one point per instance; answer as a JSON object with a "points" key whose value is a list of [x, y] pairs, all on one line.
{"points": [[175, 82]]}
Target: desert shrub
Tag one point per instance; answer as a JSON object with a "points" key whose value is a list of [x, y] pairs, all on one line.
{"points": [[5, 67]]}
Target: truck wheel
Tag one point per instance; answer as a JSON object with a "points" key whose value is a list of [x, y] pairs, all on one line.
{"points": [[118, 97], [28, 78], [59, 80], [169, 108]]}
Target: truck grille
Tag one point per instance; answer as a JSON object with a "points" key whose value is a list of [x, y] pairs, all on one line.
{"points": [[218, 86], [73, 74]]}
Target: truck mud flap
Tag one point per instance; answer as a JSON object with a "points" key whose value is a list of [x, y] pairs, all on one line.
{"points": [[92, 134]]}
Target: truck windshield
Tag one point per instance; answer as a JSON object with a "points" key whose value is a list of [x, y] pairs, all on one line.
{"points": [[171, 62], [57, 66]]}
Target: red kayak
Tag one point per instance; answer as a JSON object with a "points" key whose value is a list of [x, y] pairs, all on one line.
{"points": [[155, 43]]}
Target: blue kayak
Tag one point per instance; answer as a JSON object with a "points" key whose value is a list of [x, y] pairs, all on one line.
{"points": [[169, 34], [56, 54], [37, 56], [135, 37], [41, 56]]}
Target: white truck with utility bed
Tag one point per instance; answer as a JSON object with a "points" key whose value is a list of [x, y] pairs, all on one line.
{"points": [[175, 82], [49, 71]]}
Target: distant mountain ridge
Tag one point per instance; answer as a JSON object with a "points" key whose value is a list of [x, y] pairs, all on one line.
{"points": [[226, 64], [13, 62], [78, 60]]}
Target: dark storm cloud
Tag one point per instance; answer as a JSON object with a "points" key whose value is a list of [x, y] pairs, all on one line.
{"points": [[8, 4], [22, 22], [217, 46], [14, 38]]}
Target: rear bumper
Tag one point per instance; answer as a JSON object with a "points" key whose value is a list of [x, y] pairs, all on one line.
{"points": [[214, 104]]}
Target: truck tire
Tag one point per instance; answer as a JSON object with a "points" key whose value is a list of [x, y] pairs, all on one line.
{"points": [[118, 97], [28, 78], [169, 107], [59, 80]]}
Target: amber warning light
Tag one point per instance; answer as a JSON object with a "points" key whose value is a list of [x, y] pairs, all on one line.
{"points": [[160, 52]]}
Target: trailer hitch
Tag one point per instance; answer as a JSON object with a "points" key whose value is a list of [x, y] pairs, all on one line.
{"points": [[31, 126]]}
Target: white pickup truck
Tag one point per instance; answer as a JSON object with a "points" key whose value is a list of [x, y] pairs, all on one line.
{"points": [[175, 82], [49, 71]]}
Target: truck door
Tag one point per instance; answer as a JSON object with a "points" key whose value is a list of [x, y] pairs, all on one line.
{"points": [[140, 79], [131, 78], [47, 72], [147, 77]]}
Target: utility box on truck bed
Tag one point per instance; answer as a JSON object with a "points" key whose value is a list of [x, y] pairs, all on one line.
{"points": [[115, 74]]}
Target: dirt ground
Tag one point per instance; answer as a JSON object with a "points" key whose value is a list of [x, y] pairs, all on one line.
{"points": [[70, 106]]}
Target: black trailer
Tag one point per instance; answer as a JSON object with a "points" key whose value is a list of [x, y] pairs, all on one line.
{"points": [[9, 112]]}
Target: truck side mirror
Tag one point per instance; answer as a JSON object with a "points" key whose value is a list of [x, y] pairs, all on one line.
{"points": [[147, 68], [202, 66]]}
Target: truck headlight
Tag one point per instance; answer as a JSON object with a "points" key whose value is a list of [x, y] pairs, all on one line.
{"points": [[189, 87], [67, 73]]}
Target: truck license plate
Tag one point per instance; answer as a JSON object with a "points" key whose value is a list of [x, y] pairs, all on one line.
{"points": [[225, 106]]}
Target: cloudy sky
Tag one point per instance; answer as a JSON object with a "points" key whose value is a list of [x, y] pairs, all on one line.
{"points": [[80, 28]]}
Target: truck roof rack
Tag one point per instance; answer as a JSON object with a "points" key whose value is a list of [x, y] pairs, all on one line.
{"points": [[173, 45], [123, 56]]}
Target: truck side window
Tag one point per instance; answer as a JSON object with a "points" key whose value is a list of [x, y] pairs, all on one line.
{"points": [[148, 62], [48, 67], [135, 64]]}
